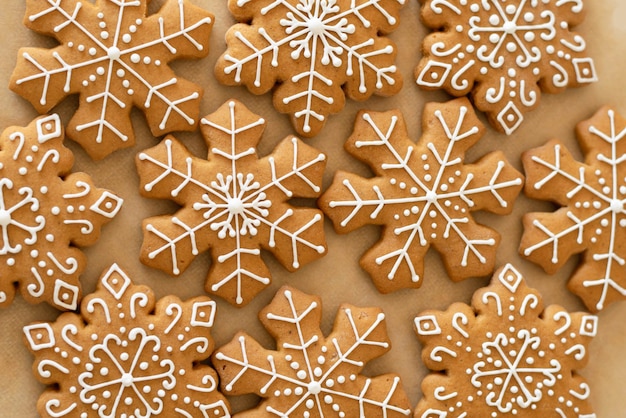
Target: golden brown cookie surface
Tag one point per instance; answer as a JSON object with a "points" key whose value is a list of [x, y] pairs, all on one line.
{"points": [[46, 213], [591, 219], [505, 355], [314, 51], [423, 194], [234, 203], [127, 355], [115, 57], [503, 53], [309, 374]]}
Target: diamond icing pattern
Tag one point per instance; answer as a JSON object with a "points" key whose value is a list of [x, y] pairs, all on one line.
{"points": [[504, 53], [127, 355], [46, 213], [115, 58], [505, 355]]}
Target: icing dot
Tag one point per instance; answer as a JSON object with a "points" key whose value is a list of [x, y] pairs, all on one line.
{"points": [[100, 70], [135, 58], [92, 51], [147, 60], [126, 38]]}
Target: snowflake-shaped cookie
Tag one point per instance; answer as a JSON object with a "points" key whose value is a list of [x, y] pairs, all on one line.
{"points": [[310, 375], [504, 53], [234, 203], [315, 51], [126, 356], [46, 212], [423, 194], [592, 218], [505, 355], [115, 58]]}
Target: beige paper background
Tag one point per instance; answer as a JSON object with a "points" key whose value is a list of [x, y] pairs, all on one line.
{"points": [[336, 277]]}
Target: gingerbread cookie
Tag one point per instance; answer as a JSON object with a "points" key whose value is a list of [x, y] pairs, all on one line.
{"points": [[592, 217], [423, 194], [505, 356], [235, 204], [503, 53], [126, 356], [310, 375], [314, 51], [46, 213], [115, 58]]}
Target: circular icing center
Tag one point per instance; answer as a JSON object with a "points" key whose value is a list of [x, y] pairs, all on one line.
{"points": [[316, 26], [431, 196], [235, 206], [5, 217], [127, 379], [314, 388], [114, 53], [616, 206], [509, 27]]}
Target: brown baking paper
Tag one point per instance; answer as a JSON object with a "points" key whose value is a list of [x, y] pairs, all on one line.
{"points": [[337, 277]]}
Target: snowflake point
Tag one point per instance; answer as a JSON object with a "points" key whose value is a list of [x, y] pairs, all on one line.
{"points": [[114, 60], [411, 179], [488, 39], [521, 345]]}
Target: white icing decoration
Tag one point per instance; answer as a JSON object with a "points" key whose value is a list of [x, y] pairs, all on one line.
{"points": [[131, 367], [115, 53], [507, 372], [65, 295], [42, 213], [427, 325], [596, 184], [35, 224], [36, 335], [307, 382], [330, 42], [199, 318], [512, 360], [504, 48], [49, 127], [123, 380], [234, 207], [435, 195], [169, 311], [116, 281], [107, 205]]}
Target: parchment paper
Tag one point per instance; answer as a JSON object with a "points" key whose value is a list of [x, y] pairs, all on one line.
{"points": [[337, 277]]}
